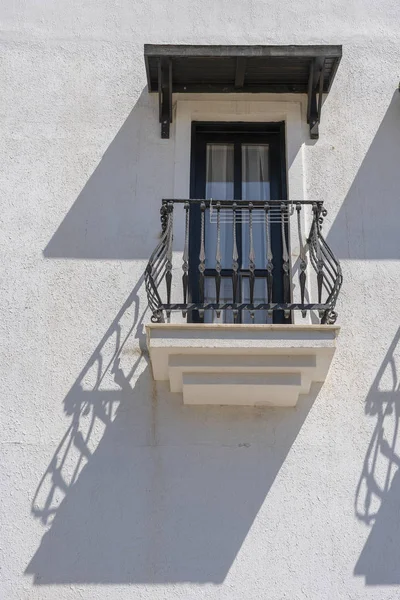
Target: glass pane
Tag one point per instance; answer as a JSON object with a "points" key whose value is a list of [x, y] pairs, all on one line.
{"points": [[219, 173], [255, 186], [260, 296], [255, 172], [219, 186], [225, 296]]}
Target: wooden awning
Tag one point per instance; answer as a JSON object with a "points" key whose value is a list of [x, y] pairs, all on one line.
{"points": [[248, 69]]}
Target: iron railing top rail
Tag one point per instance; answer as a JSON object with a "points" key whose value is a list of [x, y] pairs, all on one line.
{"points": [[274, 210], [244, 203]]}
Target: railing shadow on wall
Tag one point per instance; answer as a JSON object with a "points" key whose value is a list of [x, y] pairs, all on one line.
{"points": [[366, 226], [378, 492], [144, 490]]}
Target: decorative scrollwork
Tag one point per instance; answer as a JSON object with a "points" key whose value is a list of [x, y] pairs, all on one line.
{"points": [[157, 317], [163, 218], [329, 317]]}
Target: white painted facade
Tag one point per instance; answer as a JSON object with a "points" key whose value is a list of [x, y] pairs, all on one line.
{"points": [[170, 501]]}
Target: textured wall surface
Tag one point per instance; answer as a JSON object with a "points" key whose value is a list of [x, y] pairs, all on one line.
{"points": [[110, 488]]}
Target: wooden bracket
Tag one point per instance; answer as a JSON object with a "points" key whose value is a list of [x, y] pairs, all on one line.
{"points": [[240, 71], [165, 95], [315, 92]]}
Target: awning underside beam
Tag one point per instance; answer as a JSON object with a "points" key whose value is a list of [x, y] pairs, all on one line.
{"points": [[306, 70]]}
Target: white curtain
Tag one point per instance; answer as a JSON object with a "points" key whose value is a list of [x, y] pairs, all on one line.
{"points": [[255, 186], [219, 186]]}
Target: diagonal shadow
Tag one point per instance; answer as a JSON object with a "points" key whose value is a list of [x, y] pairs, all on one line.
{"points": [[378, 491], [144, 490], [366, 226], [113, 217]]}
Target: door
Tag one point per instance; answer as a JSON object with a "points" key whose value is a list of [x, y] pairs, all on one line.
{"points": [[240, 161]]}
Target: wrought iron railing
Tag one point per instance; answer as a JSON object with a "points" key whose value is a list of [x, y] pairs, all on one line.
{"points": [[306, 267]]}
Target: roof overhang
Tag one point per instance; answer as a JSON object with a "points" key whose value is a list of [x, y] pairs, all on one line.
{"points": [[245, 69]]}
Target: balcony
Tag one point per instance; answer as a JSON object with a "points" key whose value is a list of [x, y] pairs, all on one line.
{"points": [[242, 301]]}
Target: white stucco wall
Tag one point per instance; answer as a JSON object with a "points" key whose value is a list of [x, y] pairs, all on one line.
{"points": [[166, 501]]}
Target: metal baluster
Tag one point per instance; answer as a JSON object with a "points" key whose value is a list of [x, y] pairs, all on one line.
{"points": [[168, 266], [202, 257], [235, 265], [303, 261], [269, 256], [218, 259], [185, 265], [285, 257], [252, 265], [320, 262]]}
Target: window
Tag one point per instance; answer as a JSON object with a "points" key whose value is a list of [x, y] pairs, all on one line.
{"points": [[240, 161], [207, 268]]}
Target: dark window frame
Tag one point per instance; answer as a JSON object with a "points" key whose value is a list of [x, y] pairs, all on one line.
{"points": [[237, 133]]}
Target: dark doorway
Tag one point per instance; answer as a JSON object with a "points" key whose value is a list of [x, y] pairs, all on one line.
{"points": [[237, 161]]}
